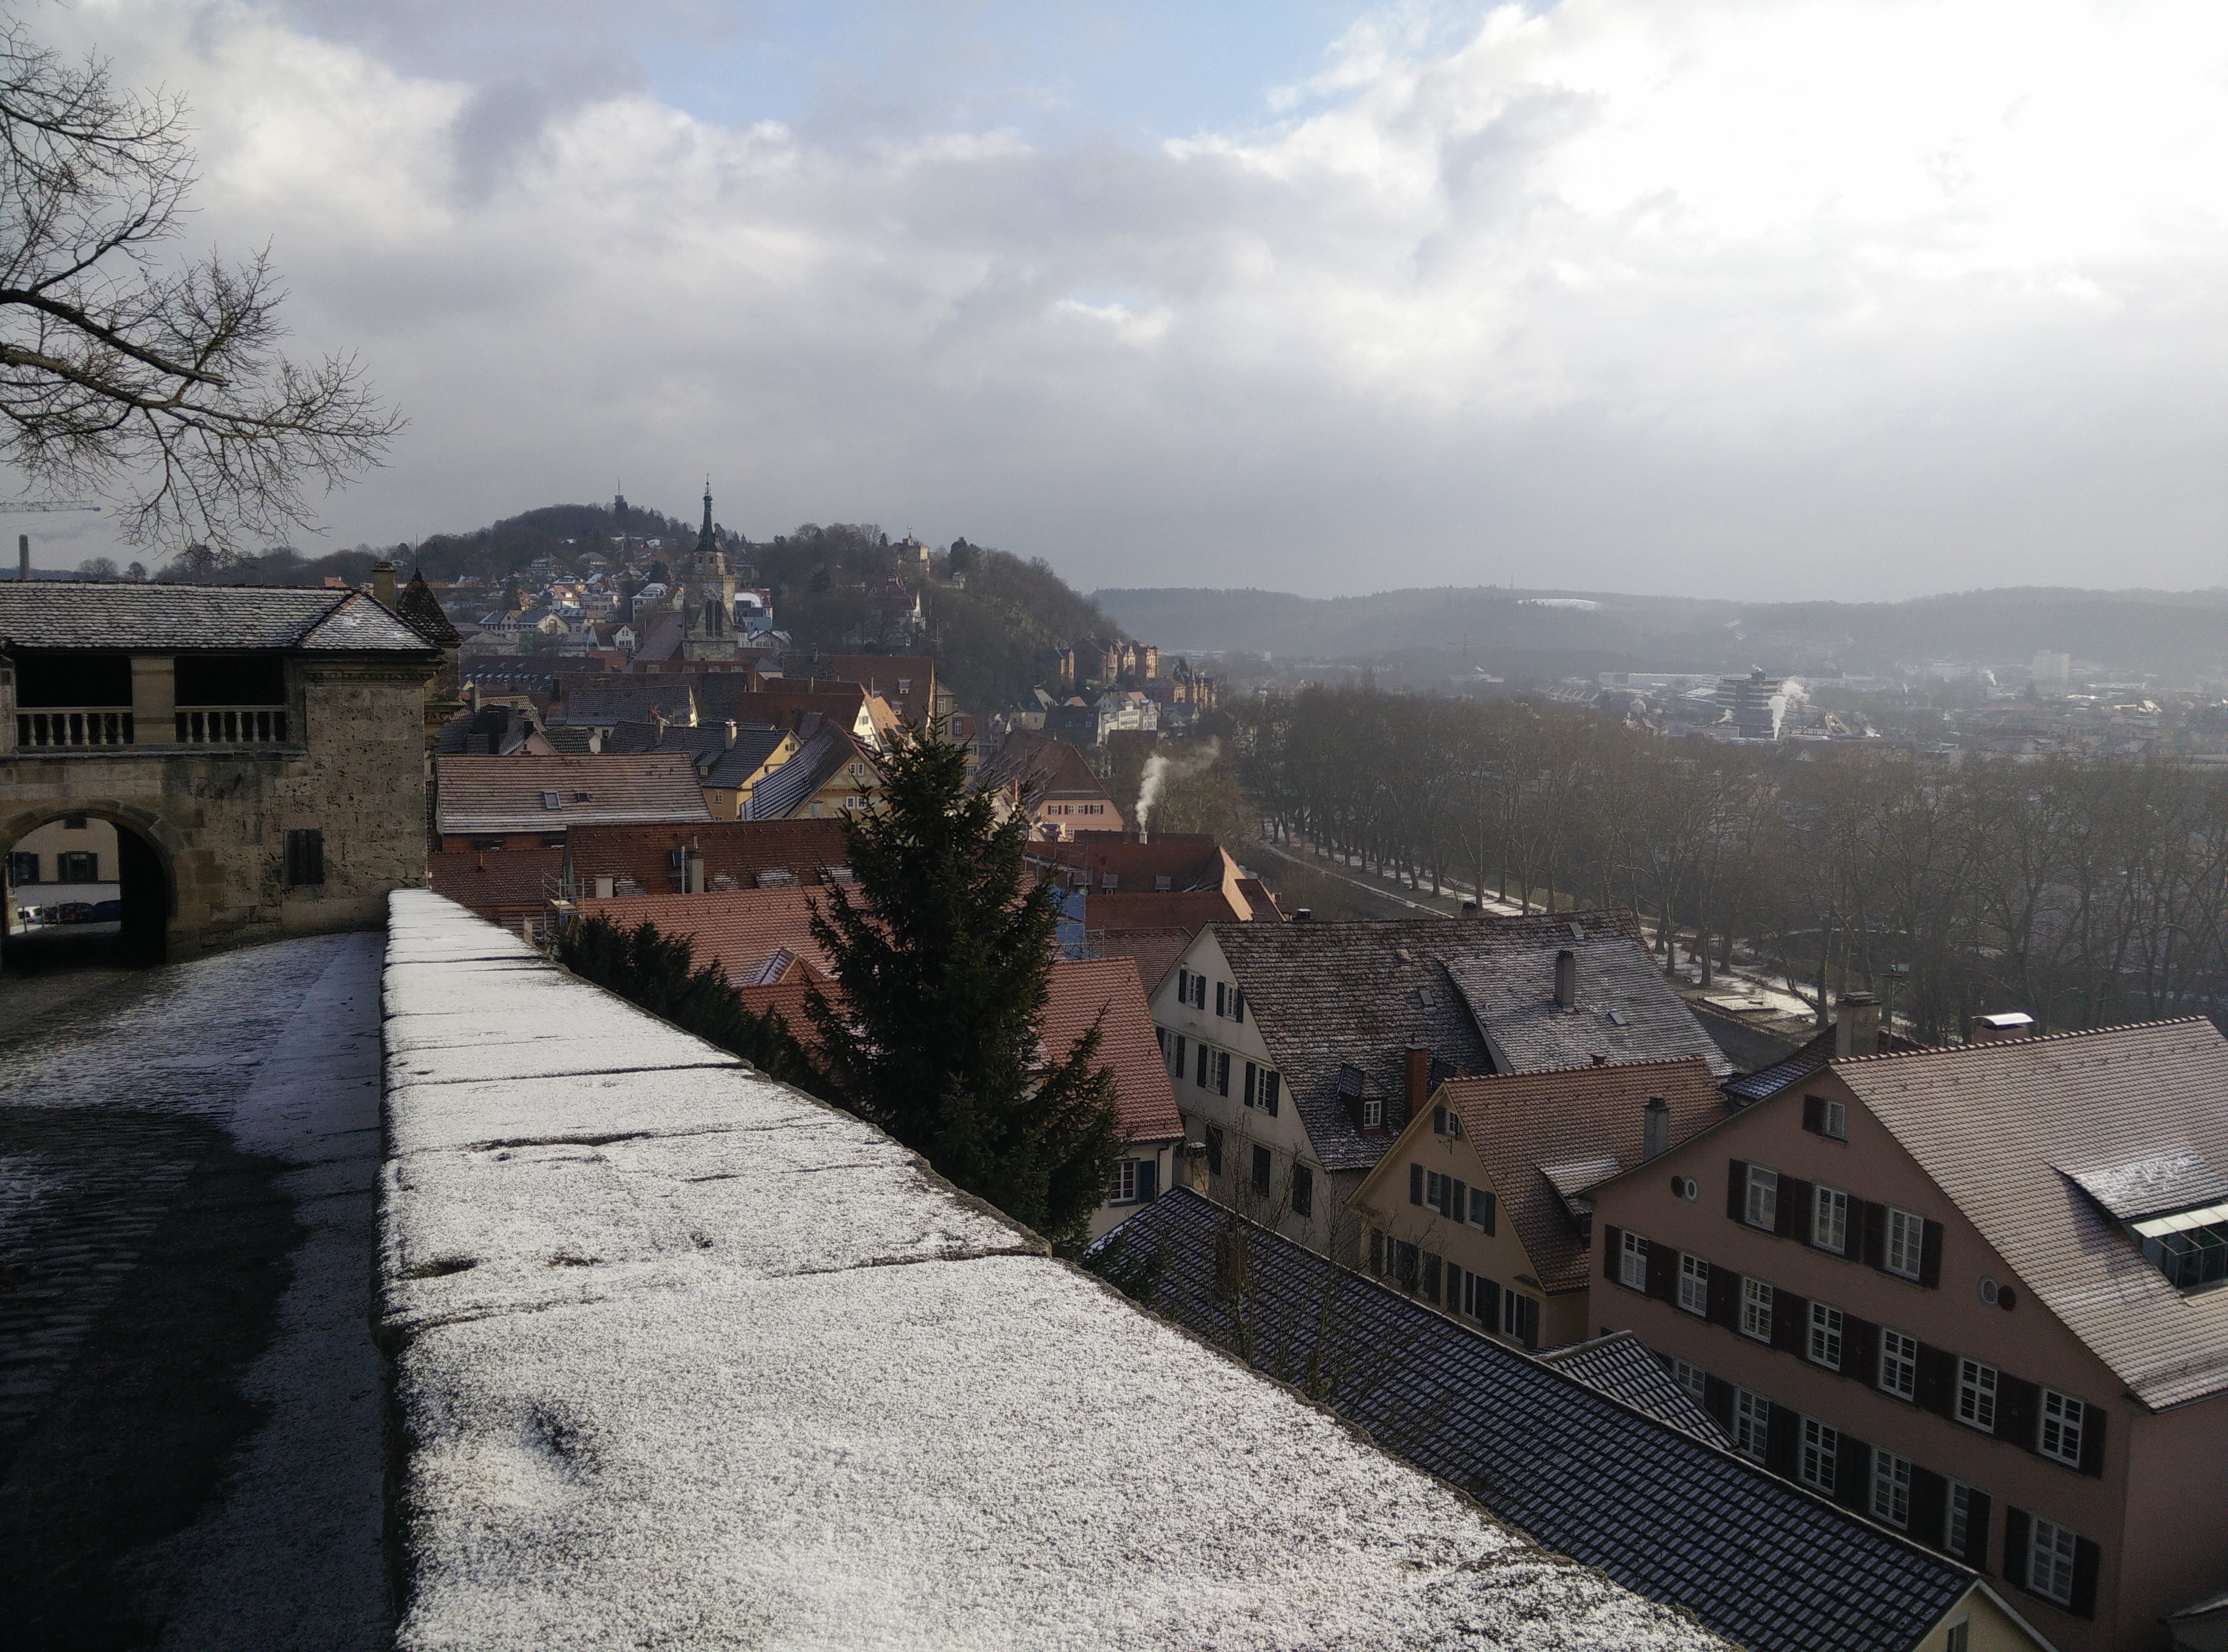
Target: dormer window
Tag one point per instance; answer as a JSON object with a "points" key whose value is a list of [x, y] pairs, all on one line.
{"points": [[2193, 1256], [1372, 1112]]}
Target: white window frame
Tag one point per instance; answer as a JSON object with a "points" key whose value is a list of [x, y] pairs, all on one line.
{"points": [[1898, 1359], [1125, 1182], [1958, 1518], [1632, 1260], [1825, 1341], [1755, 1308], [1834, 1118], [1761, 1209], [1906, 1238], [1829, 1220], [2065, 1420], [1751, 1425], [2050, 1553], [1694, 1284], [1691, 1377], [1373, 1113], [1819, 1462], [1977, 1395], [1890, 1489]]}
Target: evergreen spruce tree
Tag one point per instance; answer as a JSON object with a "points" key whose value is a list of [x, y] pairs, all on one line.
{"points": [[943, 956], [658, 971]]}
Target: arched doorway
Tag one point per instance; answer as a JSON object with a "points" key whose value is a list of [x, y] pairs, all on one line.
{"points": [[88, 888]]}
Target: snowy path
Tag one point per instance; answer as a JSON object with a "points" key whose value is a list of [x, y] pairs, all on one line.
{"points": [[190, 1451]]}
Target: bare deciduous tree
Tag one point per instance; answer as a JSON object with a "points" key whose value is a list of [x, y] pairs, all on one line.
{"points": [[131, 375]]}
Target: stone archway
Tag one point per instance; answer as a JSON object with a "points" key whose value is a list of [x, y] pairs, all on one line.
{"points": [[147, 889]]}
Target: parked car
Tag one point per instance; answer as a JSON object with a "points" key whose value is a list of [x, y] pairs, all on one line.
{"points": [[107, 912], [74, 911]]}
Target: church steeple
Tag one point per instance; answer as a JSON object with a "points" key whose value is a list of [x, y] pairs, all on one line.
{"points": [[704, 546]]}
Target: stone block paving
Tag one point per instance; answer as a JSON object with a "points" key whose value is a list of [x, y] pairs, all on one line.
{"points": [[189, 1401]]}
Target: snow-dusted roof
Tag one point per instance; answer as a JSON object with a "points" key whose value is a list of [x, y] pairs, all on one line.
{"points": [[660, 1381]]}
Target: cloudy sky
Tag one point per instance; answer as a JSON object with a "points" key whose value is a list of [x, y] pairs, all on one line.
{"points": [[1782, 297]]}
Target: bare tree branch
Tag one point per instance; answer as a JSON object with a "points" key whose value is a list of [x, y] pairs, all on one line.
{"points": [[157, 384]]}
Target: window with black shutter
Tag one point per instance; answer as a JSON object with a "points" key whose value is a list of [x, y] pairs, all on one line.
{"points": [[1261, 1173], [2016, 1537], [1859, 1347], [1930, 1256], [1415, 1184], [1977, 1506], [1790, 1321], [1737, 1190], [1214, 1151], [1718, 1400], [1937, 1380], [1149, 1180], [2087, 1559], [304, 858], [1662, 1273], [1852, 1474], [1874, 1223], [1725, 1297], [1612, 1252], [1930, 1504], [2017, 1403], [1481, 1212], [1303, 1191], [1792, 1217], [1376, 1253], [2092, 1439], [1782, 1441], [1408, 1265], [1431, 1266]]}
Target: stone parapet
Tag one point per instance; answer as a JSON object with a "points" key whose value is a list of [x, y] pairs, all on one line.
{"points": [[680, 1356]]}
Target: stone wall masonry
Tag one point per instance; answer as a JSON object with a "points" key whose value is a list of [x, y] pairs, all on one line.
{"points": [[682, 1357]]}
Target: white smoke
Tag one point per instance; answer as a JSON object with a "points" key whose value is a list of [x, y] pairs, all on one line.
{"points": [[1149, 790], [1160, 770]]}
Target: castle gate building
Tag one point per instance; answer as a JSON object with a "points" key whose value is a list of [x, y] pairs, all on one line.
{"points": [[260, 752]]}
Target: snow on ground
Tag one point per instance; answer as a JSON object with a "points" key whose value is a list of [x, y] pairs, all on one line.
{"points": [[684, 1358]]}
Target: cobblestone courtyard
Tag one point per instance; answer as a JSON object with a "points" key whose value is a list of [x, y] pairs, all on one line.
{"points": [[190, 1399]]}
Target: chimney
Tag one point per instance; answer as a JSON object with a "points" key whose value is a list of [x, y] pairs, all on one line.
{"points": [[383, 583], [604, 883], [1992, 1030], [1856, 1025], [1419, 1079], [1566, 979], [1192, 1166], [731, 734], [1600, 1060], [1655, 1128], [22, 556], [695, 874], [1304, 914]]}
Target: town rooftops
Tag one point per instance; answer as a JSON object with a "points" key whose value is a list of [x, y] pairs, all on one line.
{"points": [[1751, 1087], [2058, 1148], [737, 929], [1756, 1558], [1080, 991], [1547, 1137], [523, 794], [487, 880], [789, 789], [729, 1366], [186, 618], [1477, 992], [749, 853], [1622, 1366], [1044, 767]]}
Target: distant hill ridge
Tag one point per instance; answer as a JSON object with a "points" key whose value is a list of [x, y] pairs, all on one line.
{"points": [[2171, 633]]}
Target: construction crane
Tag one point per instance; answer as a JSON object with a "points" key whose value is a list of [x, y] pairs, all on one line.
{"points": [[24, 508]]}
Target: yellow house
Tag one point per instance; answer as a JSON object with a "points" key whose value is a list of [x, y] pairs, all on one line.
{"points": [[831, 775], [734, 772], [1478, 1208]]}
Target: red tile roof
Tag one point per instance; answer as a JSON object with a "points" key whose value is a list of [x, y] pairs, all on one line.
{"points": [[486, 879], [513, 794], [1188, 910], [738, 928], [1156, 951], [1523, 1124], [1127, 1041], [741, 849], [2013, 1131]]}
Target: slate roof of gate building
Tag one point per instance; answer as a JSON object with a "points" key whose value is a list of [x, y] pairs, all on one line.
{"points": [[1758, 1559], [183, 618]]}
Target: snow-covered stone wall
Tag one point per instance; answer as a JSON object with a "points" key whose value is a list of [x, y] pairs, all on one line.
{"points": [[683, 1358]]}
